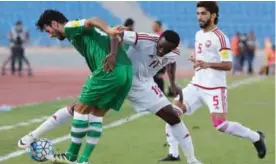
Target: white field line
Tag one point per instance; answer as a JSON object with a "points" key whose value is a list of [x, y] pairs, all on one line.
{"points": [[129, 118], [39, 102], [36, 120], [66, 137]]}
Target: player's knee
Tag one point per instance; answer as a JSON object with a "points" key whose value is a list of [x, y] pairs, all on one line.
{"points": [[70, 108], [180, 106], [169, 115], [173, 118], [178, 110], [82, 108], [99, 112]]}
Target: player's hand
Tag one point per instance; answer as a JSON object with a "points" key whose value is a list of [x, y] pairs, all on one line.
{"points": [[116, 32], [109, 63], [177, 91], [113, 31], [199, 64], [192, 59]]}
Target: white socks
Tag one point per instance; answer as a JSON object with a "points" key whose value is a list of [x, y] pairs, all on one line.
{"points": [[236, 129], [180, 132], [59, 117], [173, 144]]}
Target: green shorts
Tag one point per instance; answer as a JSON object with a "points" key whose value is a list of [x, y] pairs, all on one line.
{"points": [[107, 90]]}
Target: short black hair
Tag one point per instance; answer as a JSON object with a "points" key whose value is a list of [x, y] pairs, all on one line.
{"points": [[159, 23], [171, 36], [129, 22], [48, 16], [210, 6]]}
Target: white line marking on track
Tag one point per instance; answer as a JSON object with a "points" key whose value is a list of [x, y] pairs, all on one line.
{"points": [[39, 102], [130, 118]]}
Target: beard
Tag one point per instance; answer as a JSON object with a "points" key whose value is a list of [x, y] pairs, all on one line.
{"points": [[205, 24], [59, 35]]}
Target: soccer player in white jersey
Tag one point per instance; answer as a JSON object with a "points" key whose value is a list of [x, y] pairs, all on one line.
{"points": [[148, 53], [213, 58]]}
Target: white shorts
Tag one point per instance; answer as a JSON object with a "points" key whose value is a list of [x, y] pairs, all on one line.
{"points": [[146, 96], [194, 97]]}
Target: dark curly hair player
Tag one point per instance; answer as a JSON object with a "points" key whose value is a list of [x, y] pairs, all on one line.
{"points": [[148, 53], [105, 90]]}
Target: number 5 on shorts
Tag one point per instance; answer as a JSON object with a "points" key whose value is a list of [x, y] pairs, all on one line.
{"points": [[215, 101]]}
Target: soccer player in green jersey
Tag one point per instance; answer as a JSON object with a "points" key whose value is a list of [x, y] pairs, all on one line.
{"points": [[106, 89]]}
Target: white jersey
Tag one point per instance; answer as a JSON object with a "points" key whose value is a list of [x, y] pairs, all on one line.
{"points": [[142, 53], [212, 46]]}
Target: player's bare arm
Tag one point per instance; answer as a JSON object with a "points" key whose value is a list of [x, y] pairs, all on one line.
{"points": [[171, 69], [98, 23], [223, 66], [110, 59]]}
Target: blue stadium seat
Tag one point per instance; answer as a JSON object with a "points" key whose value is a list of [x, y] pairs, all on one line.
{"points": [[180, 16], [29, 12], [234, 17]]}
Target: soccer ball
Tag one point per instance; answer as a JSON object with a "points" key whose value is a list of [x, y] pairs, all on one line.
{"points": [[40, 149]]}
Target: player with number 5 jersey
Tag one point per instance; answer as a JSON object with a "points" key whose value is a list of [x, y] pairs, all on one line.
{"points": [[212, 60]]}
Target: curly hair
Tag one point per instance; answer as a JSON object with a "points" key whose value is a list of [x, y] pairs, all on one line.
{"points": [[48, 16], [210, 6]]}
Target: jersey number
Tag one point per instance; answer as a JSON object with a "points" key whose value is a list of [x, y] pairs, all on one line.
{"points": [[199, 48], [156, 90], [154, 63], [215, 101]]}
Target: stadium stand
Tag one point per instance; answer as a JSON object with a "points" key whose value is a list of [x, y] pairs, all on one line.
{"points": [[238, 16], [180, 16], [29, 12]]}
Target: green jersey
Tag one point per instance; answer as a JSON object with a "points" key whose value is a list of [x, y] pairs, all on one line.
{"points": [[93, 44], [126, 47]]}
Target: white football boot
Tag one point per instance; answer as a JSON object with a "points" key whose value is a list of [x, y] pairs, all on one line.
{"points": [[25, 142]]}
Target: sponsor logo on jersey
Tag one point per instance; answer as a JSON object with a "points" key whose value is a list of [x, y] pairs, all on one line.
{"points": [[75, 23]]}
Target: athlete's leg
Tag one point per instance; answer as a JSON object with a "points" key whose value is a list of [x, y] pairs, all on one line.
{"points": [[147, 96], [59, 117], [179, 131], [189, 105], [94, 133], [217, 104], [99, 93]]}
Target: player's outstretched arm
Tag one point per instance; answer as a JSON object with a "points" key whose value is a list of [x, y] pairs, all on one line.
{"points": [[129, 37], [171, 68], [222, 66], [100, 24]]}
